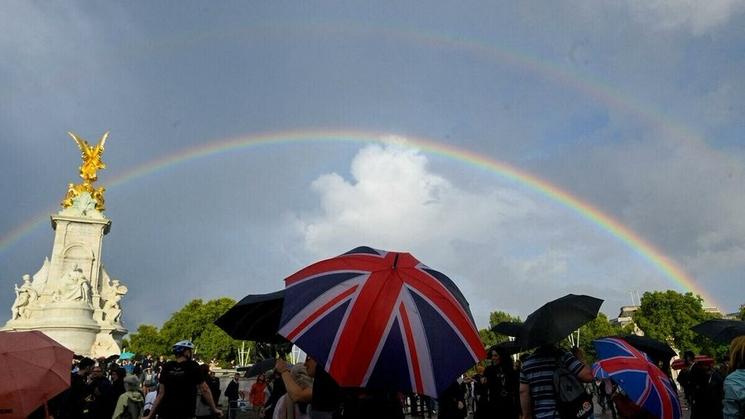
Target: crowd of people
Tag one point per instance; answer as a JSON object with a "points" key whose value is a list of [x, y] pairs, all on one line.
{"points": [[502, 388]]}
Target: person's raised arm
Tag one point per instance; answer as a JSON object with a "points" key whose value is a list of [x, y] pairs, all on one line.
{"points": [[294, 391], [585, 374]]}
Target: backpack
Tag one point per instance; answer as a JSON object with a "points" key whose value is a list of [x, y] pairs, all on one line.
{"points": [[133, 410], [572, 401]]}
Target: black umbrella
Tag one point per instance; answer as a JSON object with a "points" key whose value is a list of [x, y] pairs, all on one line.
{"points": [[557, 319], [255, 317], [258, 368], [508, 328], [508, 347], [656, 350], [720, 330]]}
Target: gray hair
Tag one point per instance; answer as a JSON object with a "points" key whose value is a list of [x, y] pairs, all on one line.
{"points": [[300, 375]]}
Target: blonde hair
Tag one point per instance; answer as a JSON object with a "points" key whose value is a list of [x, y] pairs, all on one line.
{"points": [[737, 353]]}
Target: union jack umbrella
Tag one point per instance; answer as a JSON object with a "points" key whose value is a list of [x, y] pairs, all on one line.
{"points": [[644, 383], [380, 319]]}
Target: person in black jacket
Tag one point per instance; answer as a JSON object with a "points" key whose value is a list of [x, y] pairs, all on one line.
{"points": [[232, 393], [73, 399], [452, 402]]}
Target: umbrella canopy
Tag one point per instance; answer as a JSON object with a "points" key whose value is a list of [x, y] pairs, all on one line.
{"points": [[655, 350], [720, 330], [259, 368], [508, 328], [556, 319], [509, 347], [35, 368], [255, 317], [126, 355], [679, 364], [644, 384], [381, 319]]}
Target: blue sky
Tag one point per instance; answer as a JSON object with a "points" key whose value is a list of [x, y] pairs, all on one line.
{"points": [[633, 106]]}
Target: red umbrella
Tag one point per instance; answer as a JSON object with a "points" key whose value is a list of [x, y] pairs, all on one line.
{"points": [[35, 368], [381, 319], [699, 359]]}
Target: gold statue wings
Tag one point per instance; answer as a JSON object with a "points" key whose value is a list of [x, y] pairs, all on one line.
{"points": [[91, 156], [92, 162]]}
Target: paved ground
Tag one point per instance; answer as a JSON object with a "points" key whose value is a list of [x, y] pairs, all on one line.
{"points": [[598, 414]]}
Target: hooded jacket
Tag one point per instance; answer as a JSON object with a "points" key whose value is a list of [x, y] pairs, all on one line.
{"points": [[734, 395], [129, 406]]}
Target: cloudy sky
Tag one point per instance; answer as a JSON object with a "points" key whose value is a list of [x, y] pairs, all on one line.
{"points": [[634, 107]]}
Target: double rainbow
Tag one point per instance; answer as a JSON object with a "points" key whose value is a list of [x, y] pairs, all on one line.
{"points": [[668, 267]]}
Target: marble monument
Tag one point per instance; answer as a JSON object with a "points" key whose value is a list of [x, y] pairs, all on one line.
{"points": [[72, 298]]}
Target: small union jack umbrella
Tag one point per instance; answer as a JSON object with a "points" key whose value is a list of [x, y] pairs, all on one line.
{"points": [[380, 319], [644, 383]]}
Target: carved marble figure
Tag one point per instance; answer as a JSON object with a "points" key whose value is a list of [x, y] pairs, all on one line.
{"points": [[112, 295], [25, 296]]}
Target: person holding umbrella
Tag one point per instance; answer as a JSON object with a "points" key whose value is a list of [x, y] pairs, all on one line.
{"points": [[537, 393], [324, 395], [550, 368]]}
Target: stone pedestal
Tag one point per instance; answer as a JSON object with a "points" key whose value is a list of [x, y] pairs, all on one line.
{"points": [[72, 298]]}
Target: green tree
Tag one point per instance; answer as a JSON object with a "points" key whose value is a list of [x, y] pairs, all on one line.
{"points": [[742, 312], [195, 322], [599, 327], [668, 317], [212, 342], [147, 340], [488, 337]]}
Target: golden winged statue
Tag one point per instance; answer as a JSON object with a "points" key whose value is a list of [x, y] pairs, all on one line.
{"points": [[92, 162]]}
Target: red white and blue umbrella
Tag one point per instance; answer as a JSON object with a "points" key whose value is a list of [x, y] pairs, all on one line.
{"points": [[380, 319], [644, 384]]}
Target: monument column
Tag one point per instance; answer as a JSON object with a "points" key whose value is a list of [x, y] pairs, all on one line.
{"points": [[72, 298]]}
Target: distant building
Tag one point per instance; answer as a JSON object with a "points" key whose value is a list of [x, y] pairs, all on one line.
{"points": [[626, 316], [714, 310]]}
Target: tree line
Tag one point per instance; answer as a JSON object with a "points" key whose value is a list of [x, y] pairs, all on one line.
{"points": [[666, 316], [195, 321]]}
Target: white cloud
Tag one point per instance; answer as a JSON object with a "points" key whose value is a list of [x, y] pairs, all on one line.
{"points": [[395, 202], [504, 249], [695, 15]]}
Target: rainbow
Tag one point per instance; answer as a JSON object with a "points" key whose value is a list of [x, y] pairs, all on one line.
{"points": [[675, 274], [498, 53]]}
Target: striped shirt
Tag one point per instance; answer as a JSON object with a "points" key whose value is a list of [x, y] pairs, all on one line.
{"points": [[538, 372]]}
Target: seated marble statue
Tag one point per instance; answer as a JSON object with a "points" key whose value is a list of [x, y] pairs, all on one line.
{"points": [[74, 286]]}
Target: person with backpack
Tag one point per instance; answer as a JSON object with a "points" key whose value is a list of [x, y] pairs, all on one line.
{"points": [[131, 403], [551, 385]]}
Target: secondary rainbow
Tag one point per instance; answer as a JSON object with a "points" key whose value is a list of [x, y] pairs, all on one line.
{"points": [[633, 240]]}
